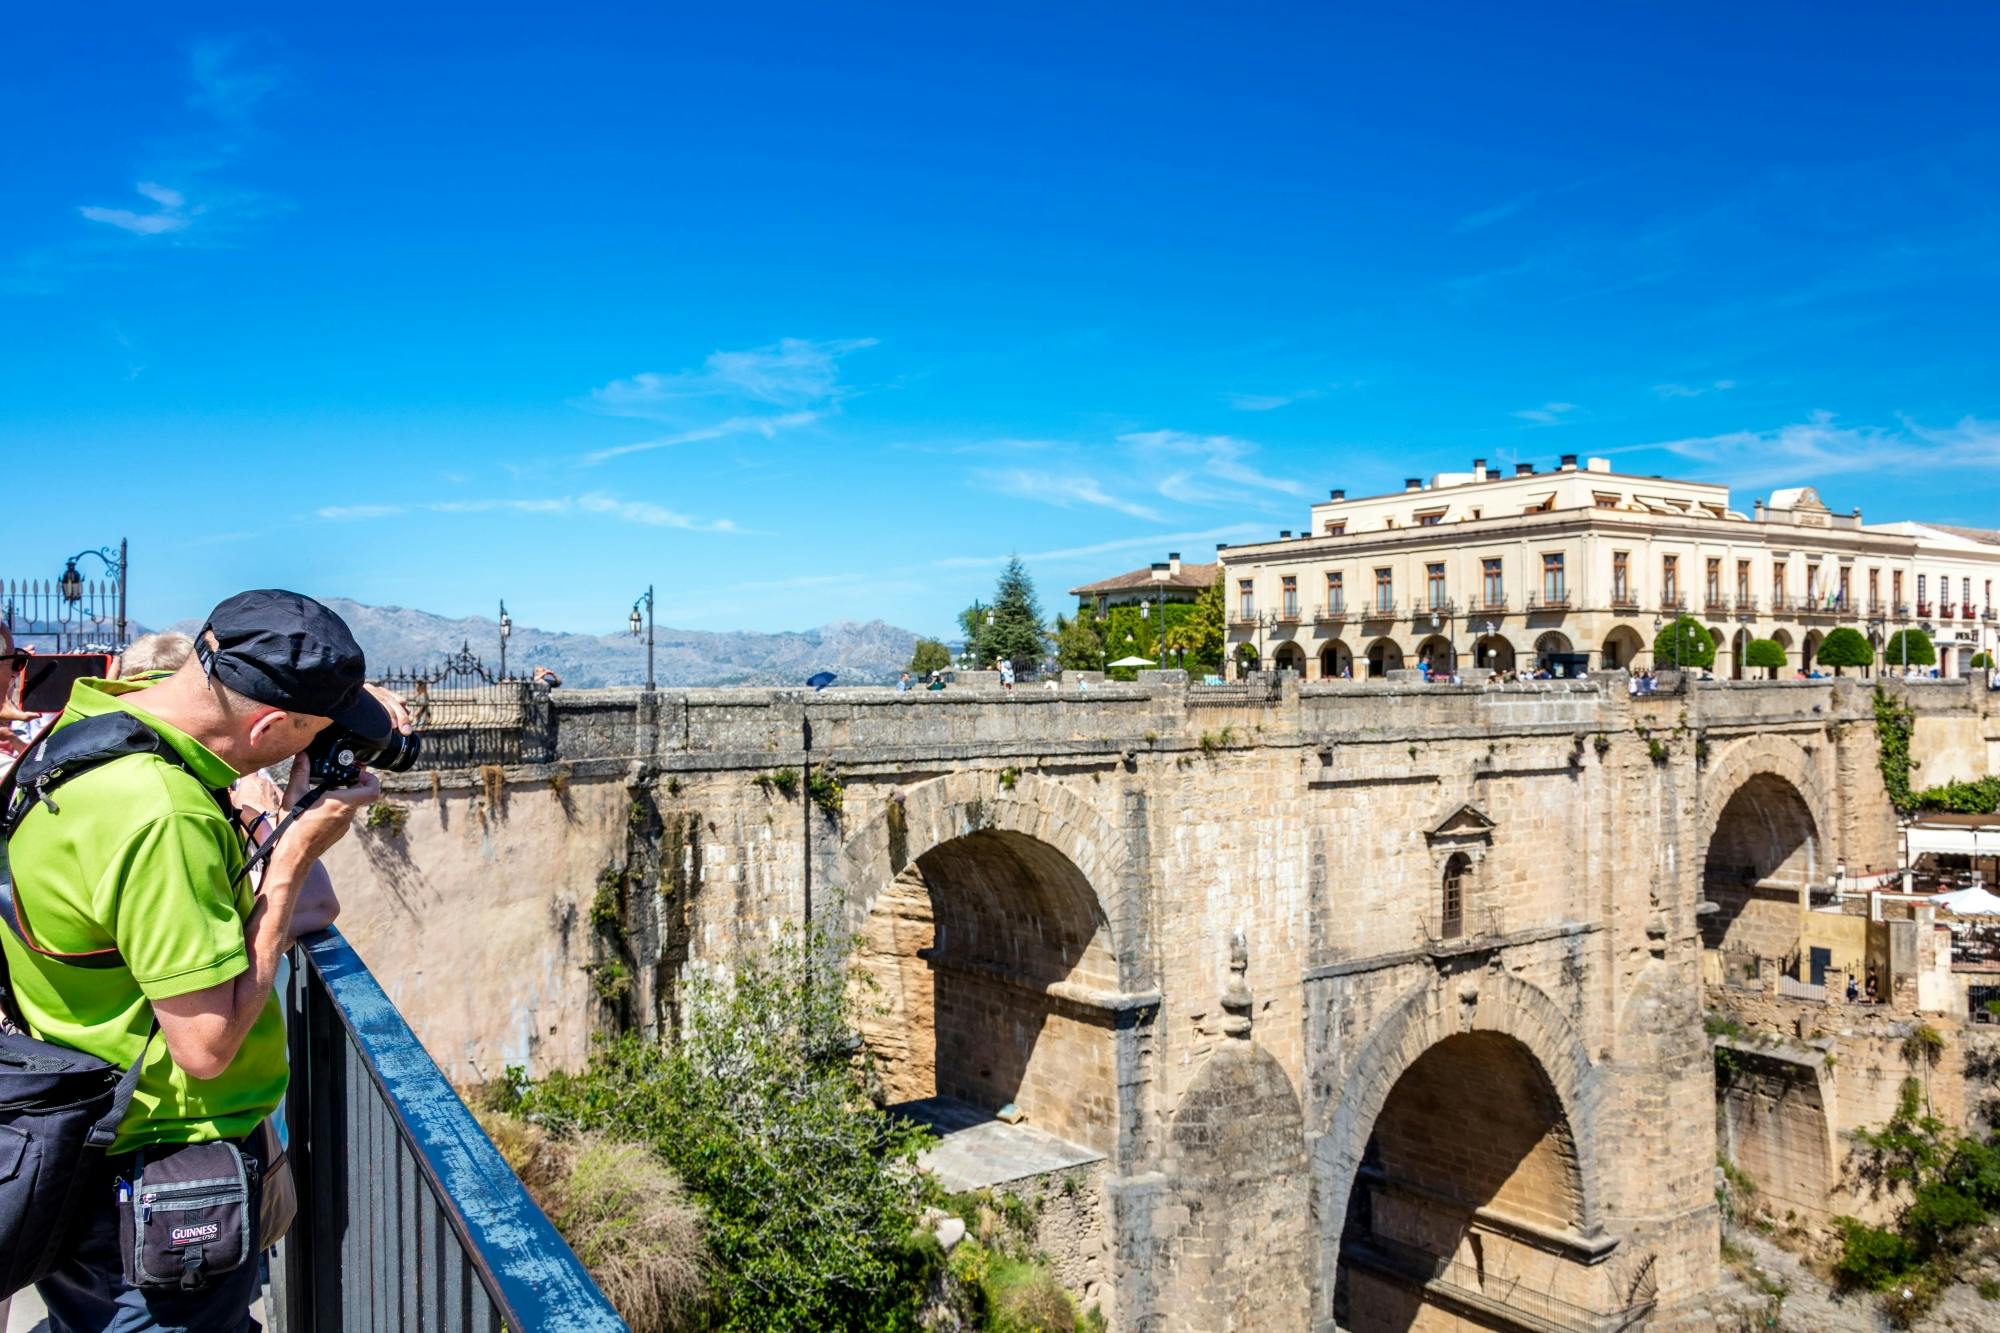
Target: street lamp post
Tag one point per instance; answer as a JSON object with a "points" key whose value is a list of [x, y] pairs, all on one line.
{"points": [[506, 630], [72, 580], [645, 599], [1145, 612], [1879, 628]]}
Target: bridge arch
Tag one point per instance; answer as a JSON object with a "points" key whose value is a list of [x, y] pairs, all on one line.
{"points": [[986, 913], [1535, 1159], [1765, 818]]}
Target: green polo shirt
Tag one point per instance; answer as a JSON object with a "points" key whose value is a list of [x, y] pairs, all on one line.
{"points": [[138, 856]]}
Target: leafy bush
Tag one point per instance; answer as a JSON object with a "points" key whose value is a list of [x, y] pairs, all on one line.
{"points": [[1767, 653], [929, 655], [1980, 660], [1871, 1258], [1915, 642], [784, 781], [1683, 644], [1844, 647], [763, 1109]]}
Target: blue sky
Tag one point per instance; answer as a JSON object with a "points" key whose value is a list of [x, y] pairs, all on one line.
{"points": [[817, 312]]}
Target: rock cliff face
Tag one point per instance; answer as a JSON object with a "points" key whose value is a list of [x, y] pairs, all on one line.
{"points": [[396, 638]]}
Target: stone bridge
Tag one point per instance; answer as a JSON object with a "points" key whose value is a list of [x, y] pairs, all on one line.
{"points": [[1324, 1006]]}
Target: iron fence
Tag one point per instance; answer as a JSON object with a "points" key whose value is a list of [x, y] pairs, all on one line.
{"points": [[39, 616], [408, 1217], [469, 717]]}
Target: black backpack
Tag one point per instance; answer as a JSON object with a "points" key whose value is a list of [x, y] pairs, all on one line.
{"points": [[59, 1108]]}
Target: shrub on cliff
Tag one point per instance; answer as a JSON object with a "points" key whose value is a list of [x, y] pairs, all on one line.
{"points": [[762, 1107]]}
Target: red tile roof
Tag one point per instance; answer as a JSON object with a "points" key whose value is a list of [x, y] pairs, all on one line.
{"points": [[1192, 578]]}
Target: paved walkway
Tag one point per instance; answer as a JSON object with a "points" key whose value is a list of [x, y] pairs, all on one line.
{"points": [[27, 1311], [975, 1151]]}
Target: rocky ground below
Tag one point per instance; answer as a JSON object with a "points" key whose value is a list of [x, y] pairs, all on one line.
{"points": [[1769, 1284]]}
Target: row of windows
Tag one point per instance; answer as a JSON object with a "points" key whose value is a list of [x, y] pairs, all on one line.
{"points": [[1492, 588]]}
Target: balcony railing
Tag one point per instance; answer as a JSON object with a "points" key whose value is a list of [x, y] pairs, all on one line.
{"points": [[1923, 610], [1243, 620], [1624, 601], [1330, 615], [1746, 608], [1286, 615], [1442, 606], [1479, 604], [1946, 611], [1991, 614], [1902, 609], [1968, 611], [408, 1218], [1673, 602], [1381, 610], [1783, 601], [1549, 601], [1715, 605]]}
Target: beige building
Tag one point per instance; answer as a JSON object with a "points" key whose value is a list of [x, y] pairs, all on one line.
{"points": [[1578, 569]]}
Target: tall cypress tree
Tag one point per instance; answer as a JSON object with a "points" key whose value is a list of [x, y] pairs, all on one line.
{"points": [[1014, 626]]}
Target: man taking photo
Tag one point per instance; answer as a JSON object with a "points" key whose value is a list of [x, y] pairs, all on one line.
{"points": [[146, 855]]}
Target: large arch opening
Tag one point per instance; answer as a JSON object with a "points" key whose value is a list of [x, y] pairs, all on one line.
{"points": [[986, 952], [1761, 861], [1783, 638], [1336, 661], [1495, 653], [1465, 1209], [1739, 646], [1436, 653], [1289, 657], [1622, 647], [1810, 657], [1384, 656]]}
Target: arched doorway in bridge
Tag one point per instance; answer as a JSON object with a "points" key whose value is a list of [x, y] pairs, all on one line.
{"points": [[1289, 657], [1760, 861], [1622, 647], [1435, 652], [972, 946], [1336, 661], [1476, 1198], [1494, 653], [1384, 656]]}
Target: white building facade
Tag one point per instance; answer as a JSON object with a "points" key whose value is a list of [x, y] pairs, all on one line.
{"points": [[1580, 567]]}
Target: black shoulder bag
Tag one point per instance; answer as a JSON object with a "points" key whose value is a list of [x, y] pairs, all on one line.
{"points": [[59, 1108]]}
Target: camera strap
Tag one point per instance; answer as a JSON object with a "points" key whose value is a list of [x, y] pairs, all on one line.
{"points": [[262, 852]]}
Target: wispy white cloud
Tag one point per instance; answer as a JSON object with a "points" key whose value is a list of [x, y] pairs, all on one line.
{"points": [[227, 85], [1218, 456], [1161, 542], [594, 504], [1270, 402], [171, 214], [792, 372], [1819, 447], [1548, 414], [1693, 390], [1065, 490], [766, 426]]}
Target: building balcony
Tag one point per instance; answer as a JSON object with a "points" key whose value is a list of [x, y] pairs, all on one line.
{"points": [[1715, 606], [1783, 602], [408, 1217], [1923, 610], [1285, 615], [1330, 615], [1746, 608], [1558, 600], [1673, 602], [1624, 601], [1496, 605], [1441, 607], [1967, 611], [1877, 607], [1901, 610], [1990, 613], [1946, 611], [1244, 620], [1379, 611]]}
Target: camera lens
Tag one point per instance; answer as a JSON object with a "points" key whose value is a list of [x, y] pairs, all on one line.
{"points": [[395, 754]]}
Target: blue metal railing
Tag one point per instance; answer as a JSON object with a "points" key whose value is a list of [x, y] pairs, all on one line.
{"points": [[408, 1217]]}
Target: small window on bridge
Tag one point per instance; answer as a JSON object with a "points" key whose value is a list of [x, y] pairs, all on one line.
{"points": [[1452, 921]]}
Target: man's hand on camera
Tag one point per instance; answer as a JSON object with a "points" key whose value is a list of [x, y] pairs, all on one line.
{"points": [[399, 713], [327, 820]]}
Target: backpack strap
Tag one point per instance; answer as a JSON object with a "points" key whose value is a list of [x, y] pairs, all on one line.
{"points": [[54, 759]]}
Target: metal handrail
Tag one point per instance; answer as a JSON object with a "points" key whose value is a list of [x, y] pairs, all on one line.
{"points": [[408, 1216]]}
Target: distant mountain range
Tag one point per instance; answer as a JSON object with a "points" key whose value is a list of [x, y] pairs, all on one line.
{"points": [[396, 638]]}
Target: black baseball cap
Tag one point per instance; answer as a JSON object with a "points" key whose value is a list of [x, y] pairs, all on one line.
{"points": [[287, 650]]}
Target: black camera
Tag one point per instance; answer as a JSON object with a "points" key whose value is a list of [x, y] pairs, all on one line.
{"points": [[336, 756]]}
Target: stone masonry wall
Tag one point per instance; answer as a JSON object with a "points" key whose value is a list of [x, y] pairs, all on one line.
{"points": [[1316, 821]]}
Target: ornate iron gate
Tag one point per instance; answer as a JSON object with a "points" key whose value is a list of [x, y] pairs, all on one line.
{"points": [[469, 717], [39, 616]]}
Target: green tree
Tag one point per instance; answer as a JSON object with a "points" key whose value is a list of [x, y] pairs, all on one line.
{"points": [[1767, 653], [1079, 647], [1982, 660], [763, 1108], [1845, 647], [1910, 647], [1013, 629], [1179, 642], [1682, 645], [972, 623], [1206, 627], [929, 655]]}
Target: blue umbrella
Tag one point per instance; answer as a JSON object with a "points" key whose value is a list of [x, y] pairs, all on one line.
{"points": [[820, 680]]}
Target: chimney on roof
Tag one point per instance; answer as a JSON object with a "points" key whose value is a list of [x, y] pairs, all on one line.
{"points": [[1284, 534], [1337, 494], [1222, 546], [1479, 469], [1524, 469], [1174, 563], [1413, 484], [1159, 571], [1569, 462]]}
